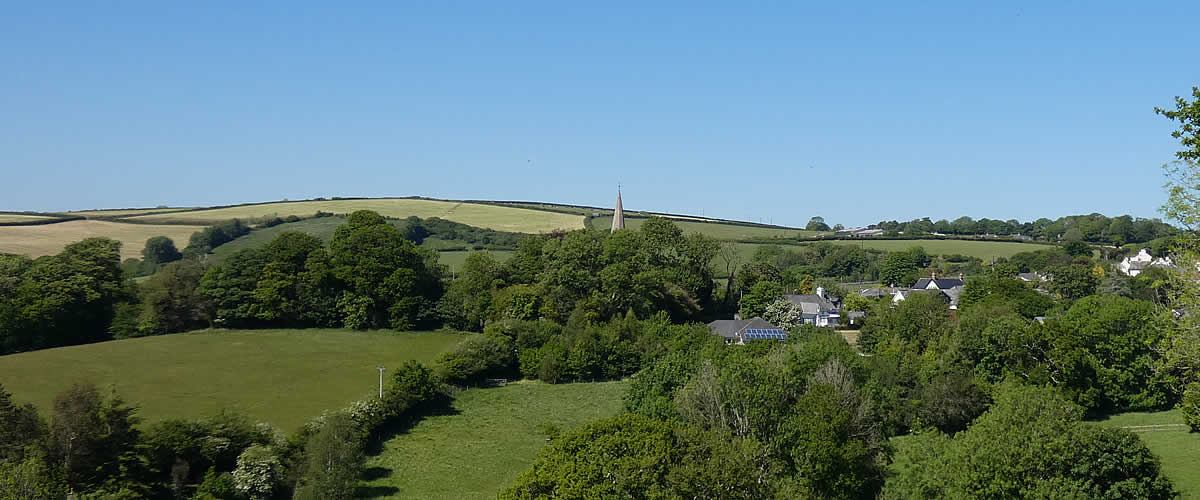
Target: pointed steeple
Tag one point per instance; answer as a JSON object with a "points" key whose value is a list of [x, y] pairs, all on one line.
{"points": [[618, 221]]}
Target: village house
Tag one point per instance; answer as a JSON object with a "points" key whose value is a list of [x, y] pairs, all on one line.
{"points": [[1133, 266], [738, 331]]}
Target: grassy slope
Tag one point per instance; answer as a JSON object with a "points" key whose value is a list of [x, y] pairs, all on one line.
{"points": [[283, 377], [122, 212], [1178, 449], [480, 215], [23, 218], [323, 228], [716, 230], [493, 435], [50, 239]]}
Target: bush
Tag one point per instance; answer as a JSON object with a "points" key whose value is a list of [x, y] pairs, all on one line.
{"points": [[477, 358], [1190, 406]]}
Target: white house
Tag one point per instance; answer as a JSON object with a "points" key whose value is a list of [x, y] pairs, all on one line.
{"points": [[1133, 266]]}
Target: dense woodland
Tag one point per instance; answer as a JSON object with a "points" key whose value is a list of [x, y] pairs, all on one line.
{"points": [[1094, 228]]}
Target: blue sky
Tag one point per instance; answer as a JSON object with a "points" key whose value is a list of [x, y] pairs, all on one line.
{"points": [[773, 111]]}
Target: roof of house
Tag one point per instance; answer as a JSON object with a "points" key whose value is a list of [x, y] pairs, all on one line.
{"points": [[941, 283], [733, 328], [811, 303], [873, 292], [1029, 276]]}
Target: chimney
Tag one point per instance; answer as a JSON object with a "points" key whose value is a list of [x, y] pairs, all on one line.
{"points": [[933, 275], [820, 292], [962, 277]]}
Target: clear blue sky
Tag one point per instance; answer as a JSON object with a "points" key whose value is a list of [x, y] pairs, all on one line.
{"points": [[766, 110]]}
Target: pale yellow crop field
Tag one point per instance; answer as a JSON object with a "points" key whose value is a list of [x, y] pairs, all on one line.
{"points": [[22, 218], [495, 217], [122, 212], [49, 239]]}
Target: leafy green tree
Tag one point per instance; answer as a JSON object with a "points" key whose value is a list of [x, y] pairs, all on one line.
{"points": [[753, 273], [1073, 281], [258, 473], [21, 429], [333, 460], [631, 456], [1190, 406], [817, 224], [172, 300], [477, 358], [784, 314], [921, 319], [950, 402], [1076, 248], [472, 291], [1030, 444], [1187, 113], [902, 268], [395, 284], [160, 250], [95, 439], [30, 478], [761, 295], [230, 286]]}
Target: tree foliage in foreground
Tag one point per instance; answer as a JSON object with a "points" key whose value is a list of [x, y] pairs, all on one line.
{"points": [[631, 456], [1031, 444]]}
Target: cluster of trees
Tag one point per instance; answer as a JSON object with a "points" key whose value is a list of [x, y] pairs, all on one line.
{"points": [[417, 229], [596, 275], [58, 300], [1094, 228], [95, 446]]}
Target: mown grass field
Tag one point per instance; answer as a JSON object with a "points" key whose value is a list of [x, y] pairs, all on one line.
{"points": [[455, 260], [490, 436], [714, 229], [283, 377], [23, 218], [479, 215], [1165, 435], [49, 239], [123, 212]]}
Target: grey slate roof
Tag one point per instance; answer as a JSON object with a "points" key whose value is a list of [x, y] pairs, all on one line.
{"points": [[811, 303], [732, 328], [941, 283], [873, 292]]}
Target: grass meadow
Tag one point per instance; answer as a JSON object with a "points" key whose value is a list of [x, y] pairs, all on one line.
{"points": [[488, 437], [49, 239], [1166, 436], [124, 212], [23, 218], [283, 377], [496, 217], [714, 229]]}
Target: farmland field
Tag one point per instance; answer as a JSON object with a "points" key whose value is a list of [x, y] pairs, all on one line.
{"points": [[122, 212], [1165, 435], [479, 215], [490, 436], [983, 249], [455, 260], [24, 218], [714, 229], [283, 377], [50, 239]]}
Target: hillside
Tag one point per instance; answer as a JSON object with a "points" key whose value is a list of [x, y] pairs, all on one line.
{"points": [[49, 239], [283, 377], [488, 437]]}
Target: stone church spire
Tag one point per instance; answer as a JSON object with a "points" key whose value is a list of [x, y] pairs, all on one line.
{"points": [[618, 221]]}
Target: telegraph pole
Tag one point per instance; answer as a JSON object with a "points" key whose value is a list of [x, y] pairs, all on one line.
{"points": [[380, 368]]}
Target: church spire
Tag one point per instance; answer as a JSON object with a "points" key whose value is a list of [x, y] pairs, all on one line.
{"points": [[618, 221]]}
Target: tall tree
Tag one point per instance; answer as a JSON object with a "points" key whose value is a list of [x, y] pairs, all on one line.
{"points": [[160, 250], [1187, 113]]}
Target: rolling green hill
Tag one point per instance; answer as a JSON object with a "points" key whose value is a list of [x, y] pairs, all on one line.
{"points": [[283, 377]]}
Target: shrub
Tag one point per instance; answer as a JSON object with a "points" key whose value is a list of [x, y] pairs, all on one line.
{"points": [[1190, 406], [478, 357]]}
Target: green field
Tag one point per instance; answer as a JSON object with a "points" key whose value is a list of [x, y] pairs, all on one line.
{"points": [[323, 228], [489, 437], [455, 260], [496, 217], [49, 239], [8, 218], [983, 249], [1166, 436], [283, 377], [716, 230]]}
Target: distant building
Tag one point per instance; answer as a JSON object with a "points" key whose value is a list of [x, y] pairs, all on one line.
{"points": [[1133, 266], [934, 283], [738, 331], [618, 221], [815, 308]]}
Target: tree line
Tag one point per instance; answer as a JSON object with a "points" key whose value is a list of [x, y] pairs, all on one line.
{"points": [[1094, 228]]}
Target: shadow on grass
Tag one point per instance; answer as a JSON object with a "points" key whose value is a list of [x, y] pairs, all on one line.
{"points": [[375, 491], [385, 433]]}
